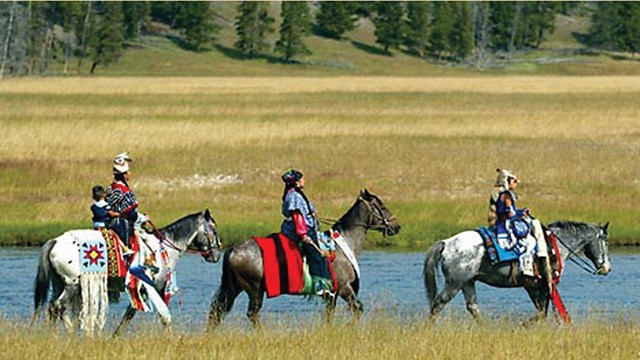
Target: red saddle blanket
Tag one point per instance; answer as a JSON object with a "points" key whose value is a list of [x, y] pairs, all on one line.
{"points": [[283, 271]]}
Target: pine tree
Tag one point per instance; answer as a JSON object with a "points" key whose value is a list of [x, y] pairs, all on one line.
{"points": [[630, 32], [441, 27], [537, 18], [70, 16], [389, 24], [165, 11], [603, 22], [417, 29], [38, 32], [461, 35], [84, 32], [253, 23], [107, 40], [545, 20], [196, 19], [335, 18], [136, 16], [502, 14], [296, 23]]}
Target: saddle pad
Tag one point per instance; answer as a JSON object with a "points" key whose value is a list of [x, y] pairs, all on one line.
{"points": [[283, 272], [93, 256], [117, 268], [346, 249], [497, 254]]}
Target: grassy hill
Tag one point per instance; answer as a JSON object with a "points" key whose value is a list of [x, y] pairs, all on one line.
{"points": [[163, 54]]}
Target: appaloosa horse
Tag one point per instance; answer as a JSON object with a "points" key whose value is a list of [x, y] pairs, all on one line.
{"points": [[463, 260], [242, 267], [59, 264]]}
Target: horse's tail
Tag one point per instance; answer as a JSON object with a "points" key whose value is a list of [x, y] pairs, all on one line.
{"points": [[430, 270], [43, 277]]}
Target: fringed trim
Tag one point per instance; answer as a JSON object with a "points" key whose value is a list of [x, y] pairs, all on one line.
{"points": [[95, 301]]}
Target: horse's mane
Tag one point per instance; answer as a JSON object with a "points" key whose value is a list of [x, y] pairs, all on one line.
{"points": [[181, 226], [347, 218], [573, 226]]}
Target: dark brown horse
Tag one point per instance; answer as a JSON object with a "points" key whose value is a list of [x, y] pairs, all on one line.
{"points": [[242, 268]]}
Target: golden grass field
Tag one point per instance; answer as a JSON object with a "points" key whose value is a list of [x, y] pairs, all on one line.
{"points": [[428, 146], [374, 339]]}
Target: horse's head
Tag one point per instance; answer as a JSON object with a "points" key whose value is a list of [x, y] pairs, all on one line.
{"points": [[380, 218], [206, 240], [597, 250]]}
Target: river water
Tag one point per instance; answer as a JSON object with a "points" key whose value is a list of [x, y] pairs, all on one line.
{"points": [[391, 285]]}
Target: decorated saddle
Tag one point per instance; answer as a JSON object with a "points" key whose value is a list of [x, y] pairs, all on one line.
{"points": [[498, 253], [285, 270]]}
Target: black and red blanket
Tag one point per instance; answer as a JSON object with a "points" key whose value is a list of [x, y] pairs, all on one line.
{"points": [[283, 268]]}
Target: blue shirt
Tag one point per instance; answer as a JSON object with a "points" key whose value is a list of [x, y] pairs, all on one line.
{"points": [[501, 208], [294, 201], [100, 210]]}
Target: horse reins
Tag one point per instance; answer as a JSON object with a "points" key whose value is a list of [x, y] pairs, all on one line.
{"points": [[577, 259], [166, 241], [377, 213]]}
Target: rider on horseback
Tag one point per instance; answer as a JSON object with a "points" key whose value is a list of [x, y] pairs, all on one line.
{"points": [[300, 225], [514, 225], [122, 200], [102, 215]]}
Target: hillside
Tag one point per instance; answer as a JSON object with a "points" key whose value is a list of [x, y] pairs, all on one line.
{"points": [[161, 54]]}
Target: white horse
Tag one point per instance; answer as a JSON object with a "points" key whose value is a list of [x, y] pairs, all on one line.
{"points": [[59, 268], [463, 260]]}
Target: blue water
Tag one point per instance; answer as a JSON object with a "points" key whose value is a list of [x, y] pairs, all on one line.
{"points": [[391, 284]]}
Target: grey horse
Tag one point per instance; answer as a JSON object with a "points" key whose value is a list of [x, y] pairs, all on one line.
{"points": [[242, 267], [59, 265], [463, 261]]}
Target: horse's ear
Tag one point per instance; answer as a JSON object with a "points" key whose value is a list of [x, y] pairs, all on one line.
{"points": [[366, 194], [207, 214]]}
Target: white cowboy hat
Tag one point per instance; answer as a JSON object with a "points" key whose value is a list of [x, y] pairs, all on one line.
{"points": [[121, 162]]}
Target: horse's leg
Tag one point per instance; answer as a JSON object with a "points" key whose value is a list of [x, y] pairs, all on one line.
{"points": [[54, 309], [129, 313], [66, 301], [330, 309], [540, 299], [255, 304], [469, 291], [222, 304], [442, 299], [355, 305]]}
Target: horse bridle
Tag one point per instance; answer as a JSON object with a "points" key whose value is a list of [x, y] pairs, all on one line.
{"points": [[377, 213], [575, 258], [210, 232]]}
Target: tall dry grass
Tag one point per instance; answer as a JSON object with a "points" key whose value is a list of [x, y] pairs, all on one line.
{"points": [[428, 146], [383, 338]]}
